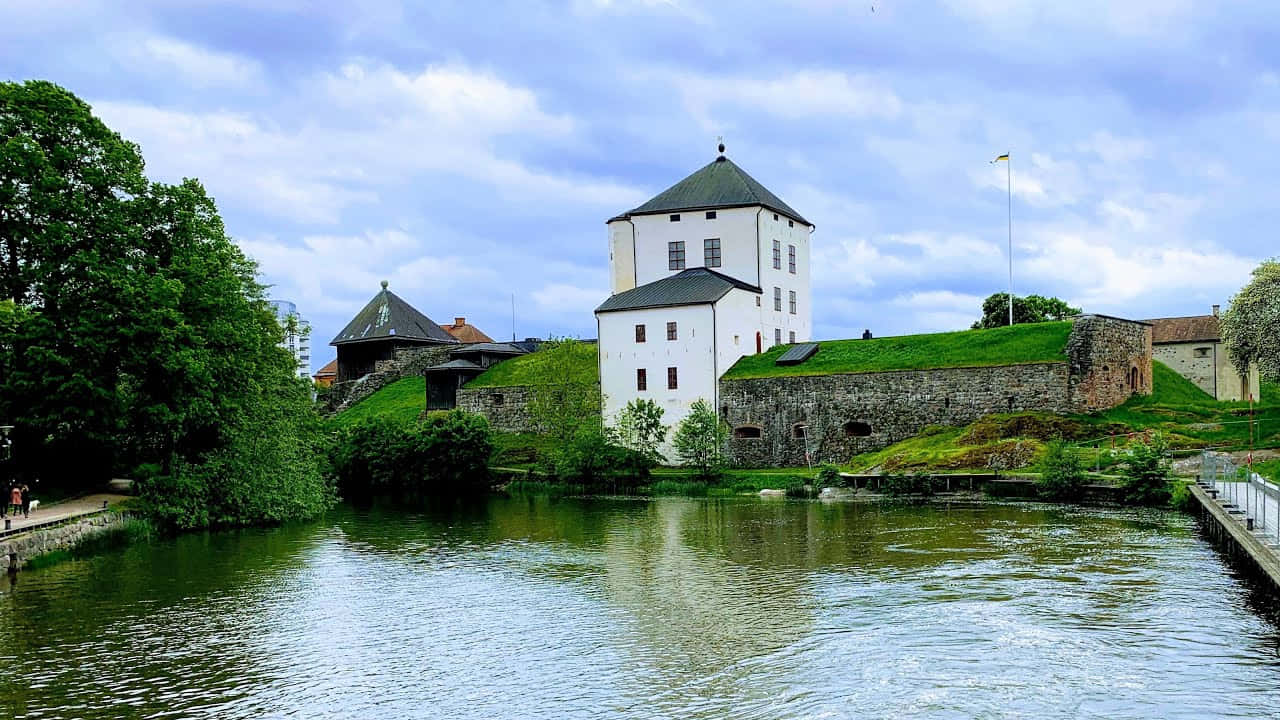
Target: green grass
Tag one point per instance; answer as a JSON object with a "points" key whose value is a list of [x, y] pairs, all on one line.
{"points": [[1269, 469], [1170, 388], [403, 400], [1017, 345], [535, 369]]}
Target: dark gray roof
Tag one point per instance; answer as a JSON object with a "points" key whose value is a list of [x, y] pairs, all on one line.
{"points": [[389, 317], [695, 286], [797, 354], [455, 365], [492, 348], [721, 184]]}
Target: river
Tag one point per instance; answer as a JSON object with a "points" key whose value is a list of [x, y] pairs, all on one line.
{"points": [[671, 608]]}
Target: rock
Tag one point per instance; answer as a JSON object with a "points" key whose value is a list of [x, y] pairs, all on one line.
{"points": [[769, 493]]}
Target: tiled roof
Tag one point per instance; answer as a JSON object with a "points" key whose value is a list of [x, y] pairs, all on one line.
{"points": [[1197, 328], [387, 316], [721, 184], [695, 286], [330, 369], [466, 332]]}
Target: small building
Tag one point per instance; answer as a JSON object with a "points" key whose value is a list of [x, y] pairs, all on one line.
{"points": [[1192, 347], [386, 325], [326, 375], [444, 380], [466, 333]]}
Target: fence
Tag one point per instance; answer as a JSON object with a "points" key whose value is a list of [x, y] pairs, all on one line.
{"points": [[1246, 495]]}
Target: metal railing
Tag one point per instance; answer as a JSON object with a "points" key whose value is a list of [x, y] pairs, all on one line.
{"points": [[1246, 495]]}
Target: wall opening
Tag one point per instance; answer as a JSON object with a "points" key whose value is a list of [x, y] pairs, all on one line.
{"points": [[1133, 379], [798, 431], [498, 399], [747, 432], [854, 428]]}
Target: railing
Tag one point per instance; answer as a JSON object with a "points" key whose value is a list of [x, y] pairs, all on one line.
{"points": [[1246, 495], [9, 532]]}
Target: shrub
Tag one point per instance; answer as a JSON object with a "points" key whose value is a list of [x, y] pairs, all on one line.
{"points": [[442, 454], [829, 476], [1061, 472], [917, 483], [591, 458], [700, 439], [1146, 474], [640, 428]]}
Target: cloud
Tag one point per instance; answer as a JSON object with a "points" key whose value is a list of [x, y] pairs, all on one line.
{"points": [[191, 64]]}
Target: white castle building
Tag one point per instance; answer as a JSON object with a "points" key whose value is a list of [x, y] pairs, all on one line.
{"points": [[714, 268]]}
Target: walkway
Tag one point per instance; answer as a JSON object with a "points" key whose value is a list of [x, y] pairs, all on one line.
{"points": [[65, 510]]}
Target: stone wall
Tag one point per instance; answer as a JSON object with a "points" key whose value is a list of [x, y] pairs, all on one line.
{"points": [[849, 414], [17, 550], [406, 362], [506, 408]]}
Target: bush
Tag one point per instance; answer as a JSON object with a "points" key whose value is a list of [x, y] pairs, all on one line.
{"points": [[1146, 474], [700, 439], [591, 458], [445, 453], [1061, 473], [918, 483], [829, 476]]}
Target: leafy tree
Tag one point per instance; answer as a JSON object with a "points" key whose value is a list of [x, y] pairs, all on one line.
{"points": [[1146, 474], [1249, 326], [1028, 309], [700, 439], [566, 403], [444, 453], [1061, 472], [640, 428]]}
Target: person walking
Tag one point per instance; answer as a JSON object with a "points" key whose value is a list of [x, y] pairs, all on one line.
{"points": [[26, 500], [15, 500]]}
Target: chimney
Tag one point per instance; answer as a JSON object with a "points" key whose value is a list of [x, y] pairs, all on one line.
{"points": [[1215, 309], [460, 321], [866, 334]]}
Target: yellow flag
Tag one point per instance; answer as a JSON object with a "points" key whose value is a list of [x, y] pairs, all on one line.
{"points": [[1004, 157]]}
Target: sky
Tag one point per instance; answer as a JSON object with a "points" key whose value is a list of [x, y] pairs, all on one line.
{"points": [[470, 153]]}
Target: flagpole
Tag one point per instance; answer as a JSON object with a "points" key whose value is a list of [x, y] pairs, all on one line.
{"points": [[1009, 187]]}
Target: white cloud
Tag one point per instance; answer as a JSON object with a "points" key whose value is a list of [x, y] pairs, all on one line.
{"points": [[801, 94], [192, 64]]}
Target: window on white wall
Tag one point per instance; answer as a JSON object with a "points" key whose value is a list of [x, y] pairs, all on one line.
{"points": [[672, 380], [671, 331], [675, 255], [674, 218], [792, 337], [757, 301], [777, 336], [642, 380], [711, 252], [711, 214], [639, 333], [791, 299], [777, 255], [791, 258], [777, 299]]}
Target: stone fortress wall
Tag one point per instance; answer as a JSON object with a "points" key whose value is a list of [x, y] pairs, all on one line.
{"points": [[838, 416]]}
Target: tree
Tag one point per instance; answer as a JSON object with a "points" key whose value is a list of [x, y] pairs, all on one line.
{"points": [[1061, 472], [1249, 324], [564, 402], [640, 428], [1028, 309], [700, 439], [1146, 474]]}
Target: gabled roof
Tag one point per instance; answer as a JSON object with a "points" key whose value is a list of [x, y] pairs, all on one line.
{"points": [[330, 369], [456, 365], [695, 286], [720, 184], [491, 348], [466, 332], [1196, 328], [389, 317]]}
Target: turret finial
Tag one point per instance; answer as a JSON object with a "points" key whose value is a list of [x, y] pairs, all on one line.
{"points": [[384, 284]]}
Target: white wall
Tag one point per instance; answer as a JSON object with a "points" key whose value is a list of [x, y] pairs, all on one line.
{"points": [[621, 256], [797, 234]]}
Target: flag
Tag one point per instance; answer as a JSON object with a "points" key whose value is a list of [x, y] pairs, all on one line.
{"points": [[1004, 157]]}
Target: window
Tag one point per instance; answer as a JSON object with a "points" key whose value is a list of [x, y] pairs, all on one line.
{"points": [[498, 400], [671, 379], [747, 432], [792, 337], [757, 301], [777, 299], [639, 333], [777, 255], [671, 331], [791, 298], [675, 218], [853, 428], [711, 214], [775, 217], [675, 255], [777, 336], [798, 431], [791, 258], [711, 252], [1202, 352], [642, 380], [791, 223]]}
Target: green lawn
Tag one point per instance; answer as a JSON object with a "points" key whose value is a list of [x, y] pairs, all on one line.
{"points": [[1017, 345], [535, 369], [402, 400]]}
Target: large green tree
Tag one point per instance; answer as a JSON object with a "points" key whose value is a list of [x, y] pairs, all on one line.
{"points": [[1251, 325], [136, 337], [1027, 309]]}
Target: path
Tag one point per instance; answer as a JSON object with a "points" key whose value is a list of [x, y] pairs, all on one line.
{"points": [[64, 510]]}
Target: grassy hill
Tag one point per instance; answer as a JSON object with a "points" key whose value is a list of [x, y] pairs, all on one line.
{"points": [[1016, 345], [535, 369], [402, 400]]}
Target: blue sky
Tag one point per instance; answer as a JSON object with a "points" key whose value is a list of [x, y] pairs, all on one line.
{"points": [[468, 154]]}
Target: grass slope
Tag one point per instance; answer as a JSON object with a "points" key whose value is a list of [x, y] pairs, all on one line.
{"points": [[535, 369], [1017, 345], [402, 400]]}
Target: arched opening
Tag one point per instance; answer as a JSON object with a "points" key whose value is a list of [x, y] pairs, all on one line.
{"points": [[1133, 379], [854, 428], [798, 431], [747, 432]]}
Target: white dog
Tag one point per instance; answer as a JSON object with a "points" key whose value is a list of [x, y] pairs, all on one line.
{"points": [[34, 504]]}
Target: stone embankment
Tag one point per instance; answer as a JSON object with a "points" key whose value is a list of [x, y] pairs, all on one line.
{"points": [[17, 550]]}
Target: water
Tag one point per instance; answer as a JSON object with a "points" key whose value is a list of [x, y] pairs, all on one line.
{"points": [[675, 608]]}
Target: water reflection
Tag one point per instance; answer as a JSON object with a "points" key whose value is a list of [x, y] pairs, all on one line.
{"points": [[551, 608]]}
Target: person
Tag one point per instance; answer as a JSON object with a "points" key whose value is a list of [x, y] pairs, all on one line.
{"points": [[15, 500], [26, 500]]}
